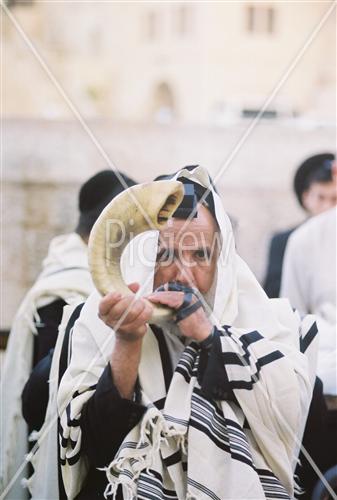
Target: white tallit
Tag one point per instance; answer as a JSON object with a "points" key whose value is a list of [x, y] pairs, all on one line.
{"points": [[64, 275], [43, 484], [259, 435]]}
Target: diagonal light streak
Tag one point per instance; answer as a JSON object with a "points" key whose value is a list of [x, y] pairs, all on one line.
{"points": [[222, 169], [77, 114], [96, 359], [292, 65], [277, 88], [74, 110]]}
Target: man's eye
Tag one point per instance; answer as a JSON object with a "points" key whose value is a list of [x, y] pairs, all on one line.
{"points": [[201, 254], [163, 255]]}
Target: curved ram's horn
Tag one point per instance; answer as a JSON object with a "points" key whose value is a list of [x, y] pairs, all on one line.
{"points": [[159, 200]]}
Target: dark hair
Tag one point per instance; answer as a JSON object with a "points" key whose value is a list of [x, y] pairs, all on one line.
{"points": [[95, 194], [317, 168], [322, 174]]}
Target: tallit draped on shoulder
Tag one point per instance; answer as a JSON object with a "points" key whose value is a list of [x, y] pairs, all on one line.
{"points": [[65, 275], [195, 447]]}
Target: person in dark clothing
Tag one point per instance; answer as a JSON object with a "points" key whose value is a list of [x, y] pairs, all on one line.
{"points": [[180, 408], [319, 441], [49, 319], [94, 195], [315, 192], [35, 394]]}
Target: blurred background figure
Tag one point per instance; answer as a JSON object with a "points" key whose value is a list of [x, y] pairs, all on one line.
{"points": [[316, 192], [65, 279], [309, 282]]}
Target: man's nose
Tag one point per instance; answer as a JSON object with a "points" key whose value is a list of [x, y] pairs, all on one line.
{"points": [[184, 274]]}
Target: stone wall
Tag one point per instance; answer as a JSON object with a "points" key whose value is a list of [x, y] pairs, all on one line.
{"points": [[45, 162], [109, 66]]}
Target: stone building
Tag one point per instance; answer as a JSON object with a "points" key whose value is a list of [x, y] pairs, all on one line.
{"points": [[158, 85], [201, 63]]}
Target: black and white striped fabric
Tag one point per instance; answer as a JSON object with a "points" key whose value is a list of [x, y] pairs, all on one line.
{"points": [[179, 451], [189, 446], [65, 275]]}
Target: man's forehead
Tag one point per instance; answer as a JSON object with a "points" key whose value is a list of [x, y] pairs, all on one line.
{"points": [[201, 228]]}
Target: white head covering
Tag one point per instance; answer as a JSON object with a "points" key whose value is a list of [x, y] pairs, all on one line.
{"points": [[275, 407], [235, 298]]}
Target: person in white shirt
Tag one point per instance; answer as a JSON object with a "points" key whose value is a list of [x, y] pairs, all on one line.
{"points": [[309, 282]]}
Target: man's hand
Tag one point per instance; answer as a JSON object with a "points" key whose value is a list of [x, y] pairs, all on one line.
{"points": [[195, 326], [126, 315]]}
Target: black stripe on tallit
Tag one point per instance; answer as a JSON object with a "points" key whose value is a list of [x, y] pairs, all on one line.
{"points": [[164, 355], [250, 338], [308, 338], [63, 365], [271, 485], [221, 431], [236, 452], [187, 366], [178, 421], [65, 441], [71, 460], [263, 361], [233, 358], [216, 408], [184, 373], [71, 422], [203, 489], [173, 459], [243, 360], [150, 487], [64, 355], [160, 403], [78, 393], [246, 340]]}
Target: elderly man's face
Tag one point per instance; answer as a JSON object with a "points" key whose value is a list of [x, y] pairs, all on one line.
{"points": [[189, 255]]}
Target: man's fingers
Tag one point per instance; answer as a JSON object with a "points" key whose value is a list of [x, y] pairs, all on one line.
{"points": [[127, 307], [170, 299], [143, 318], [107, 302]]}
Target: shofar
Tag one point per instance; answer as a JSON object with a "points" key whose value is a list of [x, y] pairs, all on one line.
{"points": [[107, 241]]}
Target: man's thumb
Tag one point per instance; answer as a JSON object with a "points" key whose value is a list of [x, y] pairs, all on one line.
{"points": [[134, 287]]}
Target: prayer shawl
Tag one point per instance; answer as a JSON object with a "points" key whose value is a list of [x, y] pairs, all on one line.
{"points": [[66, 276], [309, 282], [187, 446], [43, 483]]}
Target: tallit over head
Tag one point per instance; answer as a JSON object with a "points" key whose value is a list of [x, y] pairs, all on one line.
{"points": [[271, 380], [235, 297]]}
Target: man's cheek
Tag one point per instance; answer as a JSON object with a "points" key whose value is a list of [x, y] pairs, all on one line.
{"points": [[205, 280], [160, 279]]}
